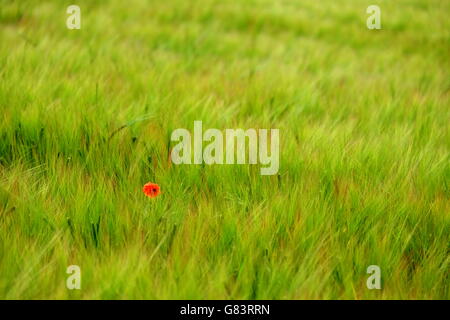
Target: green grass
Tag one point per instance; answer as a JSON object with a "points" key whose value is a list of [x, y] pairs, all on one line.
{"points": [[364, 160]]}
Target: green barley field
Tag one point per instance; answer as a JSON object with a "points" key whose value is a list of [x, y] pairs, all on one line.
{"points": [[86, 117]]}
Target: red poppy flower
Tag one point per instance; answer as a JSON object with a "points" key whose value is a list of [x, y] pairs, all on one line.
{"points": [[151, 190]]}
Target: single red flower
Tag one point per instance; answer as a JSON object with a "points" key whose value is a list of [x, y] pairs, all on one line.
{"points": [[151, 190]]}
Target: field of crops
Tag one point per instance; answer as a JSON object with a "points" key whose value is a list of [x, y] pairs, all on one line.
{"points": [[86, 117]]}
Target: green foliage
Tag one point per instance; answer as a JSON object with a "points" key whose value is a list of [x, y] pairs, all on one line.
{"points": [[85, 121]]}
